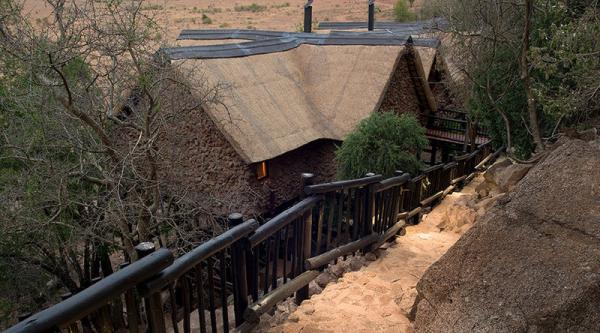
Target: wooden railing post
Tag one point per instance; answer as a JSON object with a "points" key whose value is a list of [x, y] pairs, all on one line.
{"points": [[371, 23], [370, 207], [308, 16], [153, 303], [239, 270], [302, 293], [131, 304]]}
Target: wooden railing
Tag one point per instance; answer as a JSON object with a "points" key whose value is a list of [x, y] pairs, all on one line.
{"points": [[456, 126], [250, 268]]}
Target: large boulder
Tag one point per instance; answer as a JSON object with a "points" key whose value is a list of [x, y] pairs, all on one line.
{"points": [[502, 176], [531, 263]]}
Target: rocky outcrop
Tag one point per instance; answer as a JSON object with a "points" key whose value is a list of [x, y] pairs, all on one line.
{"points": [[502, 176], [532, 263]]}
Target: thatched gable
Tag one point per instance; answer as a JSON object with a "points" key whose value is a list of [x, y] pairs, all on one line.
{"points": [[281, 101]]}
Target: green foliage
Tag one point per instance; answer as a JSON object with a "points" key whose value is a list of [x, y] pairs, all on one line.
{"points": [[507, 94], [564, 61], [382, 143], [152, 7], [254, 8], [206, 19], [402, 13], [566, 64], [281, 5]]}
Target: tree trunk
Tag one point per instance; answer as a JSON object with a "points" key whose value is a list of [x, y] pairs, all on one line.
{"points": [[525, 76]]}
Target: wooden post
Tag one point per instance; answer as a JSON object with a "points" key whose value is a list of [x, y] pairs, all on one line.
{"points": [[240, 277], [308, 16], [154, 307], [370, 208], [302, 293], [102, 315], [71, 327], [131, 304], [371, 15], [433, 154], [467, 136]]}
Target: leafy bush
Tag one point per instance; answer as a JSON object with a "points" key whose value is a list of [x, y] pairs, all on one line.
{"points": [[206, 19], [382, 143], [255, 8], [402, 12]]}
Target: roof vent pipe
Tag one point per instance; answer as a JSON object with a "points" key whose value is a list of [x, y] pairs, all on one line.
{"points": [[308, 16], [371, 15]]}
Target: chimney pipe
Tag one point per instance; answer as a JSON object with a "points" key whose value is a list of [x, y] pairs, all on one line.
{"points": [[308, 16], [371, 15]]}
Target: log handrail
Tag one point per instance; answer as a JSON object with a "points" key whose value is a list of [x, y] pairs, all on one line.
{"points": [[193, 258], [341, 185], [268, 229], [95, 296]]}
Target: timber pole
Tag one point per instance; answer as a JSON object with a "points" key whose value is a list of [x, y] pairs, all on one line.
{"points": [[371, 24]]}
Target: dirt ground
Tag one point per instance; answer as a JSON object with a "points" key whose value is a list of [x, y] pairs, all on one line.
{"points": [[379, 296], [286, 15]]}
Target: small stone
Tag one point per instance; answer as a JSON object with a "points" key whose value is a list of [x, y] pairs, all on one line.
{"points": [[370, 256], [294, 318], [308, 309], [356, 263], [314, 289], [337, 270], [323, 279], [281, 308], [425, 236]]}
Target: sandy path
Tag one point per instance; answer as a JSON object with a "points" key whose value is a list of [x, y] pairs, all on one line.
{"points": [[379, 296]]}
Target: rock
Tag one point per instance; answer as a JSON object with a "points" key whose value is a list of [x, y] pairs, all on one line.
{"points": [[323, 279], [491, 174], [337, 270], [370, 256], [531, 264], [356, 263], [487, 203], [307, 309], [281, 307], [294, 318], [511, 175], [588, 135], [314, 288]]}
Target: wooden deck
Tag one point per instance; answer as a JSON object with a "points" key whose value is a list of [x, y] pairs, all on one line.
{"points": [[450, 137]]}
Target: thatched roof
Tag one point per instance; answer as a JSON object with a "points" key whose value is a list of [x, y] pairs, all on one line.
{"points": [[285, 99]]}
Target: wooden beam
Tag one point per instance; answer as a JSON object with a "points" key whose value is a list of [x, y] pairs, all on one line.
{"points": [[388, 234], [256, 310], [325, 258]]}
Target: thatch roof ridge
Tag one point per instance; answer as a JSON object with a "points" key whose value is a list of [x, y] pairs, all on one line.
{"points": [[262, 42]]}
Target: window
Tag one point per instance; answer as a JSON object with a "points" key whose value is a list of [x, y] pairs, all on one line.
{"points": [[261, 170]]}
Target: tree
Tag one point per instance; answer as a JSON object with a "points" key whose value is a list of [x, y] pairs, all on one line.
{"points": [[82, 115], [382, 143], [401, 11], [526, 77], [514, 66]]}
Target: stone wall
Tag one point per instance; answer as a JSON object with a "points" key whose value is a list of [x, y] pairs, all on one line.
{"points": [[401, 95], [283, 183], [438, 83], [201, 163]]}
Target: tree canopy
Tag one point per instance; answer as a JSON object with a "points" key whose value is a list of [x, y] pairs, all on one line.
{"points": [[382, 144]]}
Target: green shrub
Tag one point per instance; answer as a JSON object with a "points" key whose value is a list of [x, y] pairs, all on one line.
{"points": [[401, 12], [206, 19], [152, 7], [382, 144], [250, 8]]}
